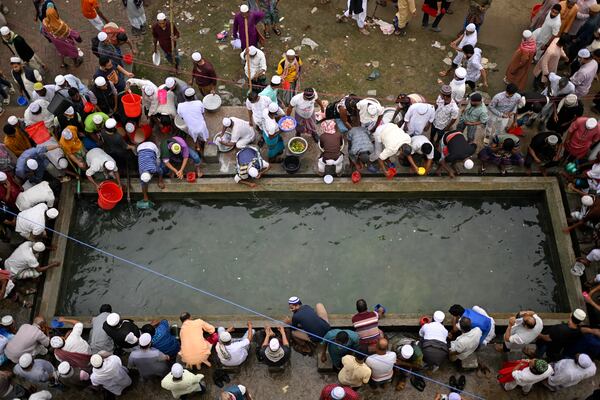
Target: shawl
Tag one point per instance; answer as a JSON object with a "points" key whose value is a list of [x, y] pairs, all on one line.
{"points": [[79, 360], [223, 352], [54, 25], [528, 45], [287, 64], [274, 356]]}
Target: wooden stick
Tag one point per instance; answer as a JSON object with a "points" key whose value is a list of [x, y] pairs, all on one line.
{"points": [[172, 34], [247, 52]]}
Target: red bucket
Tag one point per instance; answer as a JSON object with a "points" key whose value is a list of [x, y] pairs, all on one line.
{"points": [[128, 59], [191, 177], [390, 173], [132, 105], [109, 194], [424, 320], [88, 108], [356, 177]]}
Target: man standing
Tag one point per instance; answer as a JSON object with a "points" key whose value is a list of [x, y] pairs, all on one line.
{"points": [[121, 331], [91, 11], [20, 48], [548, 31], [257, 70], [583, 78], [475, 70], [109, 373], [406, 10], [24, 76], [474, 115], [569, 372], [502, 108], [99, 339], [192, 112], [517, 71], [358, 10], [476, 13], [112, 73], [582, 133], [161, 33], [252, 18], [203, 74], [289, 69], [418, 118], [303, 105], [536, 371], [446, 113], [381, 364]]}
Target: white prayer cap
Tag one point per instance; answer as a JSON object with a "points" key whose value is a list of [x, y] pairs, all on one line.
{"points": [[161, 17], [129, 127], [454, 396], [469, 164], [579, 314], [591, 123], [39, 247], [372, 110], [131, 338], [290, 53], [70, 111], [527, 34], [244, 8], [552, 139], [224, 337], [59, 80], [100, 81], [3, 176], [226, 122], [149, 90], [97, 119], [584, 53], [25, 360], [96, 360], [110, 165], [276, 80], [571, 99], [145, 177], [252, 50], [439, 316], [177, 370], [5, 30], [407, 351], [471, 28], [196, 56], [7, 320], [32, 164], [253, 172], [338, 393], [242, 389], [15, 60], [52, 213], [12, 120], [56, 342], [584, 361], [145, 339], [64, 368], [67, 134], [102, 36], [189, 92], [587, 200], [273, 107], [110, 123], [294, 300], [113, 319], [63, 163], [170, 82], [35, 107], [274, 344]]}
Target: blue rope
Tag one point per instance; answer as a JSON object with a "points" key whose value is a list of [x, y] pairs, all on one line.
{"points": [[225, 300]]}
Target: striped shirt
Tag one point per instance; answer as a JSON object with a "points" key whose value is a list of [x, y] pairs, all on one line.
{"points": [[148, 158], [366, 324]]}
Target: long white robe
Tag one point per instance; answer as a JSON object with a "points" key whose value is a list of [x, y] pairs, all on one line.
{"points": [[568, 373], [112, 375]]}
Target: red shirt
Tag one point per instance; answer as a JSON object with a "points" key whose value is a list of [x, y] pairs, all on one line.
{"points": [[163, 36], [366, 324], [326, 392], [581, 138]]}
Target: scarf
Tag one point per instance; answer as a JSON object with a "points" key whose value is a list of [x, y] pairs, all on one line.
{"points": [[274, 356], [54, 25], [223, 352], [528, 45], [78, 360]]}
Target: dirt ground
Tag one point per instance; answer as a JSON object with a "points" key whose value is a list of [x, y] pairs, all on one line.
{"points": [[335, 68]]}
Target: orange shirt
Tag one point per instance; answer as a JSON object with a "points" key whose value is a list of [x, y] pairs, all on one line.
{"points": [[88, 8], [17, 143]]}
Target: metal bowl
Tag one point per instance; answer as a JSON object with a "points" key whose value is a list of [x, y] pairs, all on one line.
{"points": [[212, 102], [221, 147]]}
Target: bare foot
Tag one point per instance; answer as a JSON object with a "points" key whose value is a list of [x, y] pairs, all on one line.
{"points": [[161, 185], [443, 73]]}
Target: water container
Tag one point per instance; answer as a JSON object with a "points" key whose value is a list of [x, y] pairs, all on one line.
{"points": [[109, 194], [132, 105]]}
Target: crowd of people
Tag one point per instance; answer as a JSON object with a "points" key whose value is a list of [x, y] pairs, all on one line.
{"points": [[69, 129]]}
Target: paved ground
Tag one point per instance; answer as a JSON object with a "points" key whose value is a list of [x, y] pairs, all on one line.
{"points": [[415, 66]]}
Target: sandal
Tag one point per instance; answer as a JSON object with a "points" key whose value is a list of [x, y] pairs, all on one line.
{"points": [[418, 383], [462, 382], [277, 31]]}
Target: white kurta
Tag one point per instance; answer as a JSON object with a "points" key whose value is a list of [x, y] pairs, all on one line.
{"points": [[543, 34], [526, 379], [568, 373], [192, 113], [466, 39], [112, 375]]}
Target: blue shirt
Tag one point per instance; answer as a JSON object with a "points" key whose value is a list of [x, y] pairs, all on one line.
{"points": [[164, 341], [148, 162], [38, 154], [307, 319]]}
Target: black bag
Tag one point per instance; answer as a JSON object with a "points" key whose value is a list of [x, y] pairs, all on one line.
{"points": [[59, 104], [331, 111]]}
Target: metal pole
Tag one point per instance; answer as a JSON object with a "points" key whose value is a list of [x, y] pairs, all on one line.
{"points": [[247, 52], [173, 50]]}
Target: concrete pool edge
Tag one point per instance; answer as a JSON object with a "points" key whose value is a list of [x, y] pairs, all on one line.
{"points": [[549, 186]]}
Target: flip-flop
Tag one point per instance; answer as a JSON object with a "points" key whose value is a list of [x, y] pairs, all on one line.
{"points": [[418, 383], [462, 382]]}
